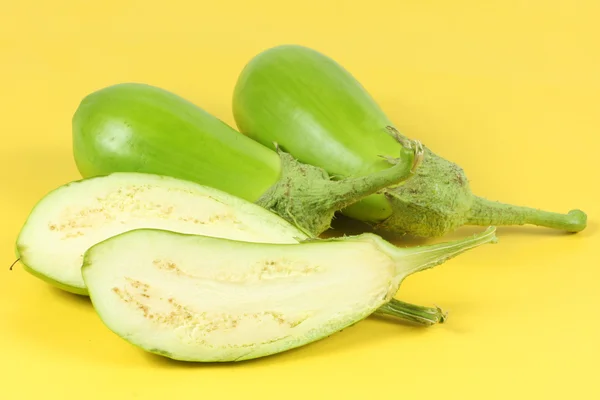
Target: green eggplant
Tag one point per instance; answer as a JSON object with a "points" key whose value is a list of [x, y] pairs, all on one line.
{"points": [[207, 299], [132, 127], [319, 113]]}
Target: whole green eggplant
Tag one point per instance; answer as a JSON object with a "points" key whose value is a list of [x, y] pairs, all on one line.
{"points": [[319, 113], [133, 127]]}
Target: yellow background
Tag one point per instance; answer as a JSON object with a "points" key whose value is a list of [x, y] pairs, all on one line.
{"points": [[510, 90]]}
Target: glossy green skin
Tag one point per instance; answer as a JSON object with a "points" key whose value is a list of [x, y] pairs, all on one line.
{"points": [[317, 111], [122, 128]]}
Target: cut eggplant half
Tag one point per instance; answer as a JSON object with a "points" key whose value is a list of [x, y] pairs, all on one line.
{"points": [[207, 299], [72, 218]]}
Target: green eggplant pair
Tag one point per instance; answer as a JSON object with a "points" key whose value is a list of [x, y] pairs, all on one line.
{"points": [[140, 128], [294, 99], [193, 273]]}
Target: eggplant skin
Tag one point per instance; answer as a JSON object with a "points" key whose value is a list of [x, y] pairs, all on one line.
{"points": [[133, 127], [307, 102]]}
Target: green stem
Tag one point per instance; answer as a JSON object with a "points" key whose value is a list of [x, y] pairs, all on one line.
{"points": [[419, 258], [307, 197], [347, 191], [412, 312], [485, 212], [414, 259]]}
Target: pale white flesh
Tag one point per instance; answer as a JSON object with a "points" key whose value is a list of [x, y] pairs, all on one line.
{"points": [[72, 218], [199, 298]]}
